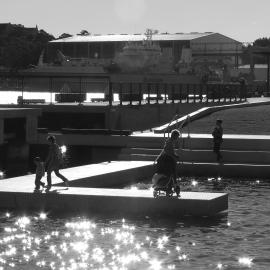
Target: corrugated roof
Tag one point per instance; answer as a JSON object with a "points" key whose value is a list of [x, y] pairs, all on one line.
{"points": [[133, 37]]}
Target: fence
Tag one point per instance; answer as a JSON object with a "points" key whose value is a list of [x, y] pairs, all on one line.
{"points": [[85, 89]]}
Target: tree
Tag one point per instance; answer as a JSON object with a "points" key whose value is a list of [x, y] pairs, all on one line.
{"points": [[64, 35], [84, 33], [262, 42], [22, 47]]}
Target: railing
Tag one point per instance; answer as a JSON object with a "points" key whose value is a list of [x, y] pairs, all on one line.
{"points": [[80, 89], [156, 93]]}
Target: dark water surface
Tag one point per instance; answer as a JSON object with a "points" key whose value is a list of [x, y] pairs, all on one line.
{"points": [[238, 239]]}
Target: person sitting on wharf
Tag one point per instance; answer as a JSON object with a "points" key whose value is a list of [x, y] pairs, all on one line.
{"points": [[217, 139], [167, 160], [54, 161]]}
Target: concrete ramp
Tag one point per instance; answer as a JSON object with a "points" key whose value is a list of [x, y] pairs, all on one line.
{"points": [[118, 202], [105, 174]]}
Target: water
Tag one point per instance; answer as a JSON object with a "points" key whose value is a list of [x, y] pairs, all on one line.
{"points": [[238, 239]]}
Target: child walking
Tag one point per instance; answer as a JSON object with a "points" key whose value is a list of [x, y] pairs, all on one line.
{"points": [[40, 172]]}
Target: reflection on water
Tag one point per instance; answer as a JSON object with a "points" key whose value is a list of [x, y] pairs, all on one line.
{"points": [[237, 240]]}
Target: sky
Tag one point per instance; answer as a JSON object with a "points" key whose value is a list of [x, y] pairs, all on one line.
{"points": [[243, 20]]}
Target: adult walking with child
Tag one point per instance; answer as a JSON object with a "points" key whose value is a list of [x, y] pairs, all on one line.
{"points": [[54, 161]]}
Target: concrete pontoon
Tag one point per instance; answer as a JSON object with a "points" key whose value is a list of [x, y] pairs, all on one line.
{"points": [[115, 201], [17, 193]]}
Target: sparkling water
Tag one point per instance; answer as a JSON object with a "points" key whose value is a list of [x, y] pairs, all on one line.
{"points": [[238, 239]]}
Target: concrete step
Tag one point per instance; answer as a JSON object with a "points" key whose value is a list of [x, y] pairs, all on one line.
{"points": [[237, 170], [146, 142], [256, 157], [137, 157], [237, 142], [147, 151]]}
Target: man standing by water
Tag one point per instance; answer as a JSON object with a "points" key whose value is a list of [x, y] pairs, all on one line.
{"points": [[217, 139]]}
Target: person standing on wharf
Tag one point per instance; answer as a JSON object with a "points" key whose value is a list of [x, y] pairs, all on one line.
{"points": [[217, 139], [54, 161]]}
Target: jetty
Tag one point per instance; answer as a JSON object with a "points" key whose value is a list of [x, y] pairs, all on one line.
{"points": [[83, 197]]}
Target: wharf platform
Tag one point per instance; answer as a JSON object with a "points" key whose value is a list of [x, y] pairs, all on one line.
{"points": [[117, 202], [105, 174], [18, 193]]}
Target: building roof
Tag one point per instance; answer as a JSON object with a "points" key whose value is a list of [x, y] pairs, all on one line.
{"points": [[133, 37]]}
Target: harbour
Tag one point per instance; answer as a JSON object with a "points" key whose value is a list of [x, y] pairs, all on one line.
{"points": [[134, 135]]}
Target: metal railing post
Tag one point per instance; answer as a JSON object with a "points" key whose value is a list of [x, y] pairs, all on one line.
{"points": [[180, 93], [207, 92], [165, 92], [157, 92], [187, 93], [140, 93], [219, 92], [173, 93], [148, 90], [50, 89], [80, 82], [120, 93], [110, 94], [194, 93], [201, 92], [22, 90], [130, 94]]}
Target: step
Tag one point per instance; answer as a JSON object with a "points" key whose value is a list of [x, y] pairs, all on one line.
{"points": [[237, 170], [147, 151], [257, 157], [137, 157], [251, 143], [228, 144]]}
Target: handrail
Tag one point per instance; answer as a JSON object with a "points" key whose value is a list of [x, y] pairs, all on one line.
{"points": [[187, 120], [167, 128]]}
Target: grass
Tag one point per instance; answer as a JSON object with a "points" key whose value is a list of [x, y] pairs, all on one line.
{"points": [[247, 120]]}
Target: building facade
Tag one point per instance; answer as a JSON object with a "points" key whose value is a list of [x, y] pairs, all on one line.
{"points": [[180, 52]]}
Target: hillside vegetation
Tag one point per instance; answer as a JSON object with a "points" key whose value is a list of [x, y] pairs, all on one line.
{"points": [[21, 47]]}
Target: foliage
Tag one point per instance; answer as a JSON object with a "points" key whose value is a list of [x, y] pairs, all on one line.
{"points": [[262, 42], [21, 47], [84, 33], [64, 35]]}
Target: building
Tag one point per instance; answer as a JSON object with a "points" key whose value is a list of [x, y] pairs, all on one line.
{"points": [[182, 51]]}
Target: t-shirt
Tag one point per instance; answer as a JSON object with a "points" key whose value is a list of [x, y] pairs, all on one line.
{"points": [[217, 133], [169, 148]]}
